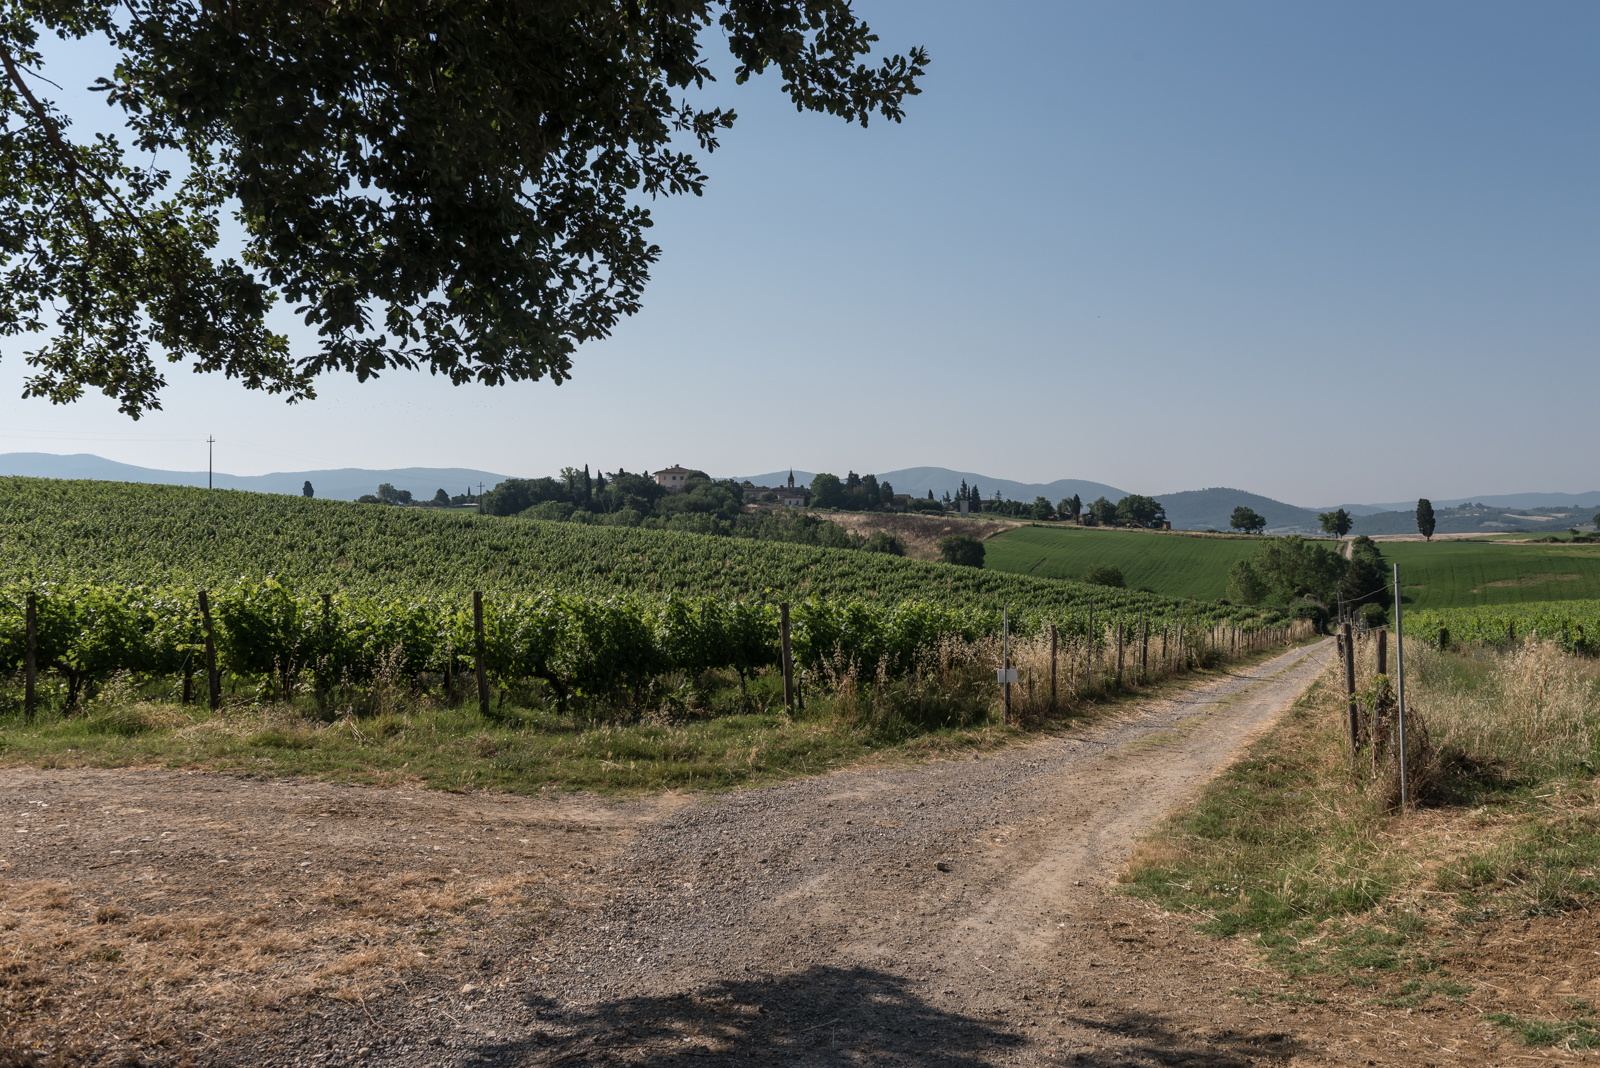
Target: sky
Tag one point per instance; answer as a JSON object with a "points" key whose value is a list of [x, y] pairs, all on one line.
{"points": [[1322, 252]]}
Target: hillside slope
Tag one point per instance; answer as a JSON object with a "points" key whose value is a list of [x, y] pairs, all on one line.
{"points": [[1173, 565], [172, 534], [1211, 509]]}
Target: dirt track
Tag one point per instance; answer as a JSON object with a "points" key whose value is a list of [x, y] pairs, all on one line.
{"points": [[953, 913]]}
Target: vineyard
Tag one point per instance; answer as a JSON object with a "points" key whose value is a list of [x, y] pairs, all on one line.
{"points": [[126, 534], [1573, 625], [308, 595]]}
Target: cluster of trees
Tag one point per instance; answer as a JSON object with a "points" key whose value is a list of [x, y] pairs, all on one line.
{"points": [[1295, 570], [855, 493], [387, 494], [1134, 510], [703, 506]]}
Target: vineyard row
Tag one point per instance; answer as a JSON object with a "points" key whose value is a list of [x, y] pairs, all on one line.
{"points": [[582, 646]]}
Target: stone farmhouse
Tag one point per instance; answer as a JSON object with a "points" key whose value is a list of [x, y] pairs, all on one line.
{"points": [[672, 477]]}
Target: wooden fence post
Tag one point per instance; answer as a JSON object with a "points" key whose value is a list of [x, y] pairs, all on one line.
{"points": [[213, 679], [1144, 649], [1088, 667], [1052, 667], [1382, 638], [1119, 654], [1348, 648], [477, 639], [788, 663], [30, 656]]}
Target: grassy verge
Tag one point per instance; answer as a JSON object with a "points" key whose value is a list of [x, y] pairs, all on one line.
{"points": [[706, 734], [1295, 852]]}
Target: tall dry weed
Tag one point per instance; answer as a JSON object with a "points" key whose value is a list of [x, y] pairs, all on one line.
{"points": [[1533, 707]]}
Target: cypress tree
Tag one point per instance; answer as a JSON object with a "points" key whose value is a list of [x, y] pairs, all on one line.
{"points": [[1425, 521]]}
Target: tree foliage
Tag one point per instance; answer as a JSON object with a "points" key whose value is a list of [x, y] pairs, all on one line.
{"points": [[1246, 519], [1072, 506], [1143, 511], [1245, 584], [456, 187], [1425, 520], [1337, 522], [1105, 575], [1293, 567], [962, 549]]}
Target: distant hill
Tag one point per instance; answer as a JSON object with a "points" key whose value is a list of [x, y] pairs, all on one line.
{"points": [[1517, 501], [344, 484], [917, 481], [1211, 509], [1473, 520]]}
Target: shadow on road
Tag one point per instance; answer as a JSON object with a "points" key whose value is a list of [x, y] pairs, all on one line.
{"points": [[846, 1017]]}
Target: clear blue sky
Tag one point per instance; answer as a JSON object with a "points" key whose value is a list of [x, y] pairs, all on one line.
{"points": [[1337, 252]]}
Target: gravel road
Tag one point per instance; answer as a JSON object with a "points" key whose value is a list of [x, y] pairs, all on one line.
{"points": [[952, 913]]}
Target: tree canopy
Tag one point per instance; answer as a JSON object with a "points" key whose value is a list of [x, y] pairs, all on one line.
{"points": [[962, 549], [1145, 511], [1425, 520], [1337, 523], [1247, 519], [457, 187]]}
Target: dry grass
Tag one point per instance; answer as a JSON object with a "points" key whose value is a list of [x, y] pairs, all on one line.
{"points": [[82, 978], [921, 533], [1308, 856]]}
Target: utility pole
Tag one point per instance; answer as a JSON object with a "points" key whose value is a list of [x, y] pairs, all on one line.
{"points": [[210, 441]]}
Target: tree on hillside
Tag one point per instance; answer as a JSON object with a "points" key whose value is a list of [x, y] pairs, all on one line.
{"points": [[455, 187], [1337, 523], [1145, 511], [389, 495], [1072, 506], [1425, 520], [1103, 511], [441, 499], [1041, 508], [1104, 575], [1247, 520], [306, 490], [962, 549]]}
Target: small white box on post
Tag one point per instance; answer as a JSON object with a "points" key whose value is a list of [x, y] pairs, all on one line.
{"points": [[1005, 675]]}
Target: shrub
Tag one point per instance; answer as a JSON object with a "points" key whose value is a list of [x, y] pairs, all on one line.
{"points": [[1375, 615], [962, 549], [1104, 575]]}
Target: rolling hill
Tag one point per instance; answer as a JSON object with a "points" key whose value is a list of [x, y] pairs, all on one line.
{"points": [[341, 484]]}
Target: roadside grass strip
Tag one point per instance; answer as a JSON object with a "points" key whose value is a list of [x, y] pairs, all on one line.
{"points": [[1343, 896]]}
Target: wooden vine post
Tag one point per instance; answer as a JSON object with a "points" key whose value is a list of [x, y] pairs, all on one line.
{"points": [[1144, 649], [1119, 653], [479, 668], [1347, 647], [1088, 667], [30, 656], [213, 678], [1053, 648], [784, 657]]}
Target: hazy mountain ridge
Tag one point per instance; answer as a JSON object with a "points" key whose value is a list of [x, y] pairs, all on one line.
{"points": [[341, 484], [1189, 510]]}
